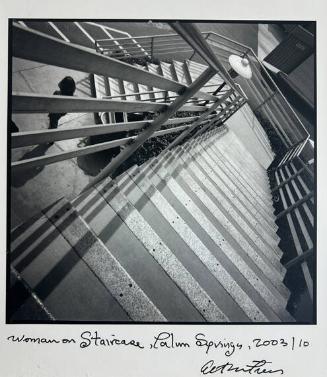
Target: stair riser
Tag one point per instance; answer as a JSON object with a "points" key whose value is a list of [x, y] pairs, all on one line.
{"points": [[256, 173], [249, 258], [217, 178], [216, 239], [209, 161], [187, 247], [196, 180], [240, 171], [161, 253], [258, 196], [138, 261]]}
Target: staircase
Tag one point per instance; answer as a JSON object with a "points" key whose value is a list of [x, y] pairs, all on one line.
{"points": [[188, 236], [185, 72]]}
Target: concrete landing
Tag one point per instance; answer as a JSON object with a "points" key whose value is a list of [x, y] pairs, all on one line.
{"points": [[36, 188]]}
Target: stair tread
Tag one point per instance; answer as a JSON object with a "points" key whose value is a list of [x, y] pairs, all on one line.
{"points": [[106, 221], [209, 159], [166, 72], [154, 207], [54, 271], [274, 298], [168, 188], [216, 200], [196, 69], [160, 94]]}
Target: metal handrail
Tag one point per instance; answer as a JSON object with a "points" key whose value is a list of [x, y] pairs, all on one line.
{"points": [[282, 110], [67, 55], [197, 44]]}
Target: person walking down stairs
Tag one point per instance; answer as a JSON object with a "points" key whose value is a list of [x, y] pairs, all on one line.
{"points": [[67, 87]]}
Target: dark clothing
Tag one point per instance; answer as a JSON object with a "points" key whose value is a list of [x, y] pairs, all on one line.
{"points": [[13, 127], [54, 117]]}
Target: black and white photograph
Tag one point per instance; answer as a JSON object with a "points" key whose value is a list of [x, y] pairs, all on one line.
{"points": [[161, 171]]}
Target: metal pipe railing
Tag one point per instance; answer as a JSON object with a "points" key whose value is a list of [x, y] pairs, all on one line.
{"points": [[221, 43], [84, 59], [157, 123], [198, 43]]}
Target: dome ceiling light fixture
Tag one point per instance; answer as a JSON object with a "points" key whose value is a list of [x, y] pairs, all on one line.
{"points": [[240, 67]]}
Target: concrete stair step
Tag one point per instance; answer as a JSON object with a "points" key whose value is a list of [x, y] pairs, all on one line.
{"points": [[202, 306], [271, 266], [131, 88], [196, 69], [248, 210], [160, 95], [201, 226], [232, 171], [181, 73], [119, 228], [218, 186], [267, 274], [167, 72], [54, 257], [228, 164], [244, 159], [209, 160], [215, 199], [144, 88], [262, 194], [179, 238], [116, 87], [240, 158]]}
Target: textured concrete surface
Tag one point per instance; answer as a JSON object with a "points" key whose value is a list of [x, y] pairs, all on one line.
{"points": [[164, 256], [36, 188], [104, 265], [200, 184], [246, 129], [135, 257], [179, 238], [224, 266], [60, 279]]}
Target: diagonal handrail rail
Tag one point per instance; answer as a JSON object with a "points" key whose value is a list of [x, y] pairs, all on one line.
{"points": [[213, 107], [156, 124], [194, 38], [40, 103], [57, 52], [25, 138], [217, 41]]}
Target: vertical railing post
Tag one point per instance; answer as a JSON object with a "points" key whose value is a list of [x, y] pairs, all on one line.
{"points": [[213, 107], [150, 128]]}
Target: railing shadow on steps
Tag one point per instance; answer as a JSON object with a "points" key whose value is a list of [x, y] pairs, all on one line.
{"points": [[262, 92], [71, 56], [296, 210], [214, 50], [292, 179]]}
